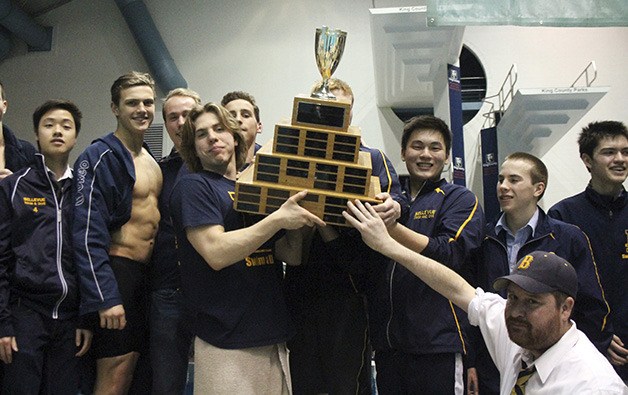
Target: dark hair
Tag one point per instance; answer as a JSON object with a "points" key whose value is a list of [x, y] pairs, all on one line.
{"points": [[235, 95], [2, 96], [58, 104], [426, 122], [134, 78], [595, 131], [188, 135], [538, 173], [560, 297]]}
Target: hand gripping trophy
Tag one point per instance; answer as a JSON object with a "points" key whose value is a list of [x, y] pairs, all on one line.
{"points": [[318, 151]]}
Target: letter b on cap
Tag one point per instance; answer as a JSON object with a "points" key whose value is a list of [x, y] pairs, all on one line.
{"points": [[525, 262]]}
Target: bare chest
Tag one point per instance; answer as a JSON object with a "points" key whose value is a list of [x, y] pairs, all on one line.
{"points": [[148, 179]]}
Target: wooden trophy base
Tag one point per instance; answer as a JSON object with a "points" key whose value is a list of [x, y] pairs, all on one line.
{"points": [[319, 152]]}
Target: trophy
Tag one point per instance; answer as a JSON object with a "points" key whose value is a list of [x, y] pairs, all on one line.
{"points": [[329, 45], [317, 150]]}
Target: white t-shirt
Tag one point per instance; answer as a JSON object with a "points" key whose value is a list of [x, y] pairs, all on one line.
{"points": [[571, 366]]}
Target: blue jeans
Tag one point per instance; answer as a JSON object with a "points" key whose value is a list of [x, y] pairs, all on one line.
{"points": [[170, 340]]}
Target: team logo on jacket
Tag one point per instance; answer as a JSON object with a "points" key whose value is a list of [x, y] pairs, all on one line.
{"points": [[82, 172], [424, 214], [35, 202]]}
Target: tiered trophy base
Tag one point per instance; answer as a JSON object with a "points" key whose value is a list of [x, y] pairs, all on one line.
{"points": [[313, 173], [260, 197]]}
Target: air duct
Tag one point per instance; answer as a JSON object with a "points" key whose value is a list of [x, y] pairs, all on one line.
{"points": [[38, 38], [152, 46]]}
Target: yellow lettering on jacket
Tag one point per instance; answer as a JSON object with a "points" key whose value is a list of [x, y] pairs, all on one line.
{"points": [[34, 201], [424, 214]]}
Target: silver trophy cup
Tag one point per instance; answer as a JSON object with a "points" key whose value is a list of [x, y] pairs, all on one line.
{"points": [[329, 45]]}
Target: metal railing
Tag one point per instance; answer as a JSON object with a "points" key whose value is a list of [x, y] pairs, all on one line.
{"points": [[585, 73], [507, 91], [504, 97]]}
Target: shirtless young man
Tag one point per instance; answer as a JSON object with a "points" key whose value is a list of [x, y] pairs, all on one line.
{"points": [[116, 188]]}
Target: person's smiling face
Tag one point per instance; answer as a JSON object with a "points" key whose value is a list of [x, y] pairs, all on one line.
{"points": [[425, 155]]}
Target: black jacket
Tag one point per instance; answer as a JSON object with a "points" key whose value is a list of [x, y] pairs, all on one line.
{"points": [[36, 261], [17, 153]]}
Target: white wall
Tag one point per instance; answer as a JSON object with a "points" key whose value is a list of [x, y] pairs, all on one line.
{"points": [[91, 48], [552, 57], [267, 48]]}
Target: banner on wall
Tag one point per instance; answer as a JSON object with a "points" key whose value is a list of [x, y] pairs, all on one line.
{"points": [[455, 118], [527, 13], [490, 172]]}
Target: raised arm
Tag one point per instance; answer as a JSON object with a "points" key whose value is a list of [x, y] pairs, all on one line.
{"points": [[221, 249], [442, 279]]}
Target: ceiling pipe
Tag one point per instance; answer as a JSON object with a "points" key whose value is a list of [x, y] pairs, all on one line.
{"points": [[38, 38], [152, 46]]}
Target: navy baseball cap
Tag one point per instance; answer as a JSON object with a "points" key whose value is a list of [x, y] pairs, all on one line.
{"points": [[541, 272]]}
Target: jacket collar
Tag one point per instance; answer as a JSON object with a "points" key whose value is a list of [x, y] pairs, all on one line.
{"points": [[121, 151], [608, 203], [40, 163], [543, 226], [429, 186], [174, 154]]}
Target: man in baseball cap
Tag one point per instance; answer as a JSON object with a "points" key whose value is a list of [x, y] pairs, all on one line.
{"points": [[541, 272], [529, 335], [541, 295]]}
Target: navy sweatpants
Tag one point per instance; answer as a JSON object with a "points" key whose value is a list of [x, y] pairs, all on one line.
{"points": [[45, 362]]}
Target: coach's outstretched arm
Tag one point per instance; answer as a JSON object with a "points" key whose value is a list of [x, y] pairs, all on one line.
{"points": [[439, 277]]}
